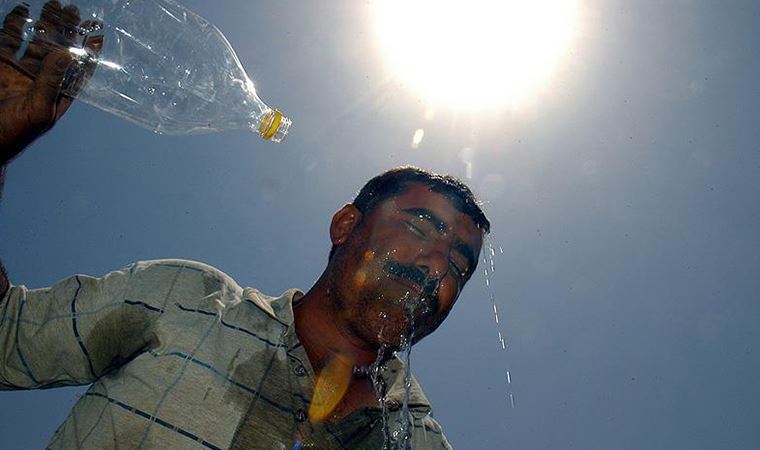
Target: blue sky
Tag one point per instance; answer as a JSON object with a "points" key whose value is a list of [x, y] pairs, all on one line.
{"points": [[624, 196]]}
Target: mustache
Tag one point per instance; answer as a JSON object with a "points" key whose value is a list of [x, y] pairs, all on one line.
{"points": [[415, 275]]}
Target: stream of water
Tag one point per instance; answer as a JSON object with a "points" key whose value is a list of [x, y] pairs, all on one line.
{"points": [[398, 436]]}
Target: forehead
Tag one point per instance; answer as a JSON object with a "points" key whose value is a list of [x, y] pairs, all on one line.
{"points": [[420, 196]]}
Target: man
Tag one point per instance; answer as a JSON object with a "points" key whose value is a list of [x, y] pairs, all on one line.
{"points": [[180, 356]]}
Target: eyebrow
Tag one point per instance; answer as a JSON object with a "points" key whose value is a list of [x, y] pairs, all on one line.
{"points": [[428, 215], [459, 245]]}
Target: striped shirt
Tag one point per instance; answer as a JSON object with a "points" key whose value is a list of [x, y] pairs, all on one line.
{"points": [[179, 356]]}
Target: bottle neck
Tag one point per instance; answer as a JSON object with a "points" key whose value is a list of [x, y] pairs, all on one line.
{"points": [[273, 126]]}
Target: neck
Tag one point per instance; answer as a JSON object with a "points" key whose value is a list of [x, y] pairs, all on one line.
{"points": [[334, 354], [324, 334]]}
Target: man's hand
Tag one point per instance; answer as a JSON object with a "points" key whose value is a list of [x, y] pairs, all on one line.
{"points": [[30, 85]]}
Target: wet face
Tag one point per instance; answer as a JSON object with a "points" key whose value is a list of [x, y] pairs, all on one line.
{"points": [[399, 269]]}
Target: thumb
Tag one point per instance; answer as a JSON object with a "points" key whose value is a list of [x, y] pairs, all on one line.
{"points": [[86, 67]]}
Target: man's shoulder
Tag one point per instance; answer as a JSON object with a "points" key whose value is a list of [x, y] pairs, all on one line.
{"points": [[182, 273], [195, 275], [175, 266], [175, 263]]}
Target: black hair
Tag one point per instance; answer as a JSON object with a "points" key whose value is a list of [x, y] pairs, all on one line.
{"points": [[396, 181]]}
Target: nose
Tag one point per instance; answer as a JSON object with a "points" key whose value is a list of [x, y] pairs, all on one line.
{"points": [[433, 262]]}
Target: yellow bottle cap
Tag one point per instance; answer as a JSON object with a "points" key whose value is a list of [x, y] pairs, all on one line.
{"points": [[270, 123]]}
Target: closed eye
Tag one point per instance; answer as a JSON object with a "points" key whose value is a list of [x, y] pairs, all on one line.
{"points": [[460, 273], [415, 229]]}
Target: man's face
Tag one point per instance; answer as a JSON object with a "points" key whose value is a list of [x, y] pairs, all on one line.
{"points": [[402, 267]]}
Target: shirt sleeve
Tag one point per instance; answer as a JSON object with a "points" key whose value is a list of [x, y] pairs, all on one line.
{"points": [[71, 333], [428, 435]]}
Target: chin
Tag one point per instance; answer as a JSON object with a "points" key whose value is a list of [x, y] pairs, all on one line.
{"points": [[384, 322], [391, 342], [395, 338], [381, 335]]}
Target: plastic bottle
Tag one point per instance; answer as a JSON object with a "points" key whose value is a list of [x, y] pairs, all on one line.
{"points": [[162, 67]]}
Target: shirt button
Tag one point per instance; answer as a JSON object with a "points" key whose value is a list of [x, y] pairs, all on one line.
{"points": [[300, 415], [299, 370]]}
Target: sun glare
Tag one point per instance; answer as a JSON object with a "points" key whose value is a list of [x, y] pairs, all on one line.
{"points": [[475, 53]]}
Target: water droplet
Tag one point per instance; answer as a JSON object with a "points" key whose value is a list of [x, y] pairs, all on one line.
{"points": [[489, 257]]}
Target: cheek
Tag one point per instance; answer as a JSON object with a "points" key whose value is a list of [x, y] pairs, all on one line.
{"points": [[398, 242], [447, 293], [364, 274], [361, 269]]}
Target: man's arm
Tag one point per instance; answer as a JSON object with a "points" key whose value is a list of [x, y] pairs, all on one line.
{"points": [[36, 348], [72, 332], [4, 284], [30, 85]]}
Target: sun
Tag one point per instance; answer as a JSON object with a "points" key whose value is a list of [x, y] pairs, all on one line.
{"points": [[475, 54]]}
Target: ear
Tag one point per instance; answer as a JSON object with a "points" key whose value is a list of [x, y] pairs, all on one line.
{"points": [[343, 223]]}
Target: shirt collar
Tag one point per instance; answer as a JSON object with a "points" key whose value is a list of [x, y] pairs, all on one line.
{"points": [[281, 309]]}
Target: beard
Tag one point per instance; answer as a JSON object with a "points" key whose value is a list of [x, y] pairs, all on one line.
{"points": [[393, 304]]}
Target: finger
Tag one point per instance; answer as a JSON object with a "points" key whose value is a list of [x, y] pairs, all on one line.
{"points": [[82, 70], [67, 27], [44, 39], [47, 86], [12, 33], [92, 42]]}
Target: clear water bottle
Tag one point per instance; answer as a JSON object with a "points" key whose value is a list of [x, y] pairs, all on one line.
{"points": [[161, 66]]}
